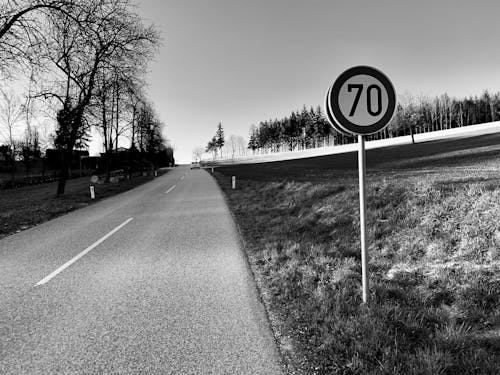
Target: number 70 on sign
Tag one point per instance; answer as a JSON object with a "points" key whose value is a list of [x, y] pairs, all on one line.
{"points": [[361, 101]]}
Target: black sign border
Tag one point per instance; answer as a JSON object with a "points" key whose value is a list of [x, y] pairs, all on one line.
{"points": [[341, 120], [330, 117]]}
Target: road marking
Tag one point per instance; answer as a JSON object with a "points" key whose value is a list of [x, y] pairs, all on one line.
{"points": [[169, 190], [182, 178], [70, 262]]}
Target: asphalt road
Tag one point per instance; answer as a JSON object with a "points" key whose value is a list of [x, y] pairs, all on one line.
{"points": [[156, 284]]}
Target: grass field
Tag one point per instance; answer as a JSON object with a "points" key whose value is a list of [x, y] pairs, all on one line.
{"points": [[434, 243], [31, 205]]}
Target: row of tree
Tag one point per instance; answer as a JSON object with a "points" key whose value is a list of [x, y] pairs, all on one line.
{"points": [[309, 128], [217, 142], [86, 61], [305, 128], [233, 146]]}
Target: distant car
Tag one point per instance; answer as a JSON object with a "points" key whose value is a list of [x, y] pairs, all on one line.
{"points": [[195, 164]]}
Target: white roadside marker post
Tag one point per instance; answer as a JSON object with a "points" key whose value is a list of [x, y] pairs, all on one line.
{"points": [[92, 192], [234, 182], [212, 169], [361, 101]]}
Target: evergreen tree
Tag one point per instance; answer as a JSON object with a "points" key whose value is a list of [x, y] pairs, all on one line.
{"points": [[253, 142], [212, 146], [292, 130], [219, 137]]}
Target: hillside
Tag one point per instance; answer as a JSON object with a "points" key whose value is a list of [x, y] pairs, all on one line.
{"points": [[434, 243]]}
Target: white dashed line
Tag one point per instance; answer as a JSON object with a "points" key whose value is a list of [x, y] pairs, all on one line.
{"points": [[169, 190], [70, 262]]}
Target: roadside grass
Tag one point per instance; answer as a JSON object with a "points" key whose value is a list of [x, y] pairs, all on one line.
{"points": [[31, 205], [434, 243]]}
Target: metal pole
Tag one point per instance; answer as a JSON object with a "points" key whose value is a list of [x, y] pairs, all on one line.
{"points": [[362, 216]]}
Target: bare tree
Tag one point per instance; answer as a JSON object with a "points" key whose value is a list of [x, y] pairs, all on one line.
{"points": [[21, 29], [135, 99], [198, 152], [45, 135], [103, 112], [150, 139], [119, 94], [29, 148], [241, 144], [115, 108], [79, 47], [11, 113], [232, 144]]}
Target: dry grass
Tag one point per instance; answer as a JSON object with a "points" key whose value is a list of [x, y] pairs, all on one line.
{"points": [[434, 268]]}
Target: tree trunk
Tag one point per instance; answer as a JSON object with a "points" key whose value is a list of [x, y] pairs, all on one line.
{"points": [[108, 166], [63, 176], [43, 167], [133, 128], [117, 117], [13, 170]]}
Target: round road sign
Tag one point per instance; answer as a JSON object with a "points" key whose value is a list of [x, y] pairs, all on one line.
{"points": [[362, 100]]}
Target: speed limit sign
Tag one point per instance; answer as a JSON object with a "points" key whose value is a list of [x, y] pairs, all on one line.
{"points": [[361, 101]]}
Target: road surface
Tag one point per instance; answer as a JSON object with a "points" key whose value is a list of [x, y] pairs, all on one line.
{"points": [[151, 281]]}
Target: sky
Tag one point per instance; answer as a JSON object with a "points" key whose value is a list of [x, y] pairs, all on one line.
{"points": [[240, 62]]}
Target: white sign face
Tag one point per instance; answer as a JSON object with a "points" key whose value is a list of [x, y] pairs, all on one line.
{"points": [[361, 101]]}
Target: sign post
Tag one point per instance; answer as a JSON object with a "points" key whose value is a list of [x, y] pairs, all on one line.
{"points": [[361, 101], [362, 215]]}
